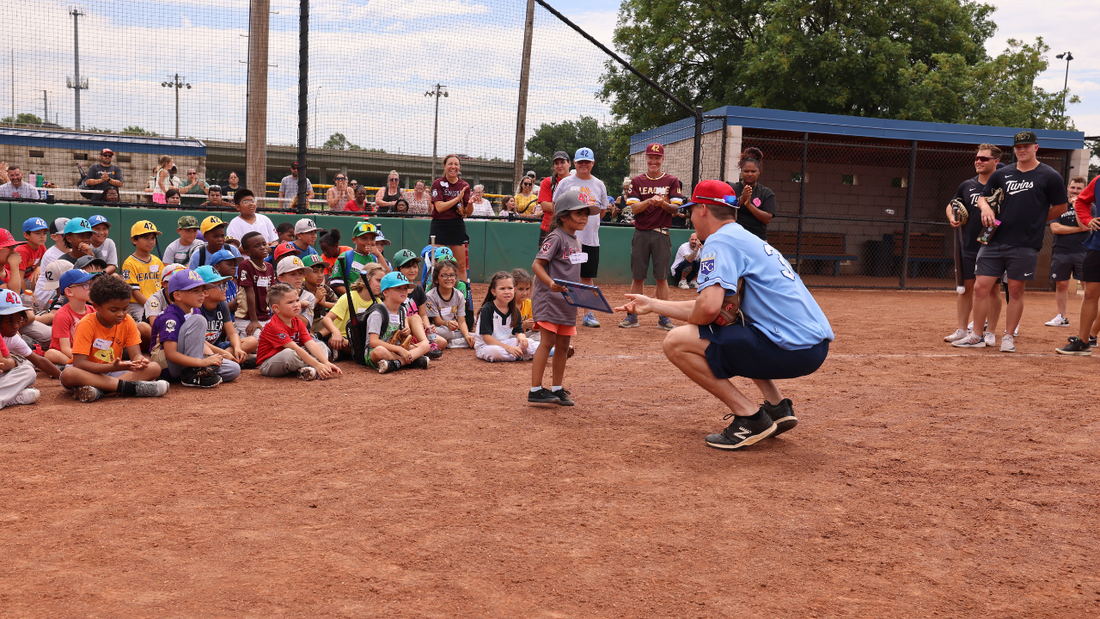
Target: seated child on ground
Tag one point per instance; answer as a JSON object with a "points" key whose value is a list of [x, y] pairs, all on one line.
{"points": [[10, 326], [254, 277], [18, 377], [142, 271], [77, 286], [408, 264], [524, 282], [366, 291], [180, 334], [156, 303], [98, 344], [225, 261], [499, 328], [285, 344], [179, 251], [220, 332], [213, 233], [447, 306], [102, 244], [315, 284], [387, 329], [292, 272]]}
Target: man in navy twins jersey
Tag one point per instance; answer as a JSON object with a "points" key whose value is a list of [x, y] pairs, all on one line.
{"points": [[1033, 195]]}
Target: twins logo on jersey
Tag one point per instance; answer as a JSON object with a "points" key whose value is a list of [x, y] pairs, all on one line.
{"points": [[706, 265]]}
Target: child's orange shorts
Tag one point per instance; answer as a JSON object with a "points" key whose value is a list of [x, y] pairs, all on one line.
{"points": [[565, 330]]}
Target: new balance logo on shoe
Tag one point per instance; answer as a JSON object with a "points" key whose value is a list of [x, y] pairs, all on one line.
{"points": [[743, 434]]}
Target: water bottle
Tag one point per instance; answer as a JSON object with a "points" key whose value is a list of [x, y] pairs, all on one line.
{"points": [[987, 232]]}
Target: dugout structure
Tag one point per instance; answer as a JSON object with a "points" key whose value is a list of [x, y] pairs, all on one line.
{"points": [[859, 201]]}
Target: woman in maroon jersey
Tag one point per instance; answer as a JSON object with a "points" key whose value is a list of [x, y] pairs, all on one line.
{"points": [[450, 204]]}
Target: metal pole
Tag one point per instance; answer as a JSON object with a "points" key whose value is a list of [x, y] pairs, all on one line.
{"points": [[801, 203], [524, 81], [76, 63], [435, 136], [176, 87], [722, 170], [1065, 88], [256, 116], [697, 148], [45, 107], [303, 104], [908, 213]]}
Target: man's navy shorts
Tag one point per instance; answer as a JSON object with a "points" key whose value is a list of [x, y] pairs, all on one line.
{"points": [[740, 350]]}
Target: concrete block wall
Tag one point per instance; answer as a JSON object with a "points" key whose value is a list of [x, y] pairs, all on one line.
{"points": [[59, 165]]}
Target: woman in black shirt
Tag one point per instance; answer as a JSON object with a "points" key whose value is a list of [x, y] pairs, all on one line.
{"points": [[757, 202]]}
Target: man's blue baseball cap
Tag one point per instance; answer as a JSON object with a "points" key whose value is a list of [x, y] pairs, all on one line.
{"points": [[210, 276], [223, 254], [584, 154], [35, 224], [77, 225], [95, 220], [75, 277]]}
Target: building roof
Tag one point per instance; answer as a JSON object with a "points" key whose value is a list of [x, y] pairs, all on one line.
{"points": [[45, 138], [852, 126]]}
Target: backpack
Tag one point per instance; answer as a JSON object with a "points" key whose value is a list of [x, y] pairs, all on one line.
{"points": [[379, 308], [356, 326]]}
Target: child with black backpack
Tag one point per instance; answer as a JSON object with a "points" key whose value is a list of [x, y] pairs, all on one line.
{"points": [[364, 293]]}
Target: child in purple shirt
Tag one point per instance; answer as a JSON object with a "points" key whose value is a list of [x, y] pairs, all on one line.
{"points": [[179, 333]]}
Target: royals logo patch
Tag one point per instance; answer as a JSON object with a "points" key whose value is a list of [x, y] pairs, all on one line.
{"points": [[706, 265]]}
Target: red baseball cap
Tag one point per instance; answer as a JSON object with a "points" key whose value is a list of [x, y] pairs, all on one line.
{"points": [[655, 149], [107, 151], [714, 193], [286, 248], [7, 240]]}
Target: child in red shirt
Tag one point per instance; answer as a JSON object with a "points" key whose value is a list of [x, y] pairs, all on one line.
{"points": [[285, 344]]}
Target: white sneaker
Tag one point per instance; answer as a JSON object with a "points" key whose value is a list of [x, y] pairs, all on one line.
{"points": [[969, 342], [1058, 321], [151, 388], [27, 396], [1008, 343], [990, 339], [683, 284], [956, 336], [693, 283], [1016, 331]]}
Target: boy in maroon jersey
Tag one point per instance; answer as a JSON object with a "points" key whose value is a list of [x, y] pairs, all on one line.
{"points": [[654, 199]]}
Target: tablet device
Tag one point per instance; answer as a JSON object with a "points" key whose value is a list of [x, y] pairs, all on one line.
{"points": [[582, 295]]}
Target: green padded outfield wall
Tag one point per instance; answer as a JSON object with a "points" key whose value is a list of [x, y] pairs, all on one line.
{"points": [[494, 245]]}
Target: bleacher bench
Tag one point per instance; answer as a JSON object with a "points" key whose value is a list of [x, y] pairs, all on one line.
{"points": [[820, 246], [924, 248]]}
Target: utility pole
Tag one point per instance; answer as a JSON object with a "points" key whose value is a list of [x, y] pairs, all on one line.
{"points": [[437, 93], [45, 107], [255, 144], [176, 83], [76, 83], [303, 103], [524, 80], [1065, 86]]}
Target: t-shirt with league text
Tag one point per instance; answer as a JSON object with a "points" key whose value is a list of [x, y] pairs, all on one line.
{"points": [[1028, 197], [642, 187], [215, 321]]}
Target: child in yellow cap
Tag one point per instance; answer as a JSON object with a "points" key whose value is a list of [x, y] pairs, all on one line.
{"points": [[142, 271]]}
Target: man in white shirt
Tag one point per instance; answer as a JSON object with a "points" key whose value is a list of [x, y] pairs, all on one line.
{"points": [[15, 187], [594, 192], [686, 265], [249, 220]]}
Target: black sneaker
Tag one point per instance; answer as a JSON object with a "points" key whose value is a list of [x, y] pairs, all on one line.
{"points": [[783, 416], [542, 396], [421, 363], [744, 431], [1092, 340], [385, 367], [563, 397], [203, 378], [1076, 346], [435, 352], [249, 362]]}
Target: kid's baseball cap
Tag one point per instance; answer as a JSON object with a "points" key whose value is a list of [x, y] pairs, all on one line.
{"points": [[95, 220], [394, 279], [284, 249], [54, 271], [187, 222], [10, 303], [210, 276], [142, 227], [167, 270], [444, 253], [7, 240], [224, 254], [209, 223], [655, 149], [78, 225], [85, 261], [381, 238], [584, 154], [363, 228], [57, 225], [184, 279], [290, 265], [75, 277], [305, 225], [571, 201], [404, 257], [34, 224], [312, 260]]}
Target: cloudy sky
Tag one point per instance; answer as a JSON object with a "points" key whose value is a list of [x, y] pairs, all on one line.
{"points": [[373, 60]]}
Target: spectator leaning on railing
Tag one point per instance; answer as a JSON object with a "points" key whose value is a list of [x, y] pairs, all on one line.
{"points": [[481, 206], [288, 188], [420, 203], [339, 194], [103, 173], [216, 200], [387, 196], [196, 186], [15, 187]]}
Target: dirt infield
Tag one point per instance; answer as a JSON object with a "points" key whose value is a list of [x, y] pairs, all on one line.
{"points": [[921, 481]]}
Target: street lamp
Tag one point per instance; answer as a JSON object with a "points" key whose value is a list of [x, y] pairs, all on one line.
{"points": [[1065, 87], [177, 83], [437, 93]]}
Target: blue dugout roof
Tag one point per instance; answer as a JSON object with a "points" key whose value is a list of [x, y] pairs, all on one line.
{"points": [[852, 126], [46, 138]]}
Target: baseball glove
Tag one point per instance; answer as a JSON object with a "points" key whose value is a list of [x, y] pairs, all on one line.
{"points": [[404, 342], [959, 211], [731, 307], [995, 200]]}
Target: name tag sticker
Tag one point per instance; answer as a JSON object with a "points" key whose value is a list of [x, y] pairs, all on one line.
{"points": [[578, 258], [153, 268], [263, 282], [101, 344]]}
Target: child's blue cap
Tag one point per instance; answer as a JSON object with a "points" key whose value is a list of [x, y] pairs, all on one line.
{"points": [[444, 253], [35, 224], [222, 255], [10, 303], [95, 220], [210, 276], [75, 277], [77, 225], [393, 280]]}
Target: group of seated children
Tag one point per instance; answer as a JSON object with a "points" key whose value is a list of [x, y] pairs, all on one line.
{"points": [[215, 305]]}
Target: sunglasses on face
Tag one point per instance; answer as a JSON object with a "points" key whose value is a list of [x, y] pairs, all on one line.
{"points": [[984, 159], [341, 178]]}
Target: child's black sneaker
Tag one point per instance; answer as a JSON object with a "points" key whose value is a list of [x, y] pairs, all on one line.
{"points": [[204, 378], [151, 388], [421, 363], [744, 431], [435, 351], [782, 414], [385, 366], [86, 394], [542, 396], [563, 397]]}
